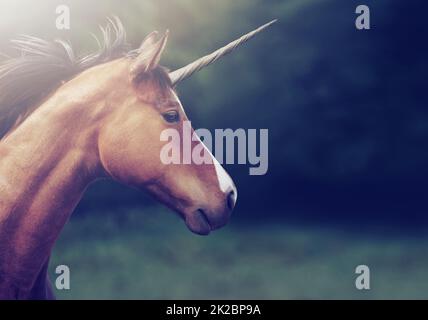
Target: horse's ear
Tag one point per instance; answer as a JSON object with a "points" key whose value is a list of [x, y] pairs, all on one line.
{"points": [[149, 55], [149, 40]]}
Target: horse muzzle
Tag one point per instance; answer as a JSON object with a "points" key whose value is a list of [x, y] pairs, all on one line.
{"points": [[204, 220]]}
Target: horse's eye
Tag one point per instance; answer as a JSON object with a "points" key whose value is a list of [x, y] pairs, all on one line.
{"points": [[171, 116]]}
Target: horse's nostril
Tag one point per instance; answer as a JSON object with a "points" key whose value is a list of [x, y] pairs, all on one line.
{"points": [[231, 200]]}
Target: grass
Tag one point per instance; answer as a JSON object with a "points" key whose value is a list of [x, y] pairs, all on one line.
{"points": [[151, 255]]}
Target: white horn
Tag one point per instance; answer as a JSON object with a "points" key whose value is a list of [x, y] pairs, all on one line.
{"points": [[185, 72]]}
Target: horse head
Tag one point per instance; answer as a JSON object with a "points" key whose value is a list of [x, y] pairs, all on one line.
{"points": [[130, 145]]}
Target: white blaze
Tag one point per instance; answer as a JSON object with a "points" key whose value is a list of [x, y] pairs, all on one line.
{"points": [[225, 183]]}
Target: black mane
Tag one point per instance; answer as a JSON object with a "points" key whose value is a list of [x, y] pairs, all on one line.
{"points": [[43, 65]]}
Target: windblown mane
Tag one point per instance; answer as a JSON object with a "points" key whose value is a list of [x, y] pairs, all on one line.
{"points": [[43, 65]]}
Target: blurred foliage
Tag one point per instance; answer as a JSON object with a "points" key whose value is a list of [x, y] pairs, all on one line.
{"points": [[345, 109]]}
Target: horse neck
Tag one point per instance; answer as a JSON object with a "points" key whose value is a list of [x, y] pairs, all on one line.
{"points": [[45, 165]]}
